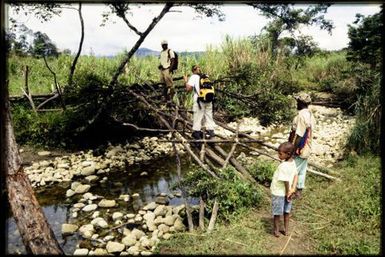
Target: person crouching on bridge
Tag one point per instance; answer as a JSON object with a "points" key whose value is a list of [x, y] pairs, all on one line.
{"points": [[200, 108]]}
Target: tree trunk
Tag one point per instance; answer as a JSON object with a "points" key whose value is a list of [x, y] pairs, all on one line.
{"points": [[34, 229]]}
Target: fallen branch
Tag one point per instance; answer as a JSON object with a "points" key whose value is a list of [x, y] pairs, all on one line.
{"points": [[276, 159], [213, 216]]}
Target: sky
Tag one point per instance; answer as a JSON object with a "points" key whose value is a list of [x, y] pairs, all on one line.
{"points": [[182, 28]]}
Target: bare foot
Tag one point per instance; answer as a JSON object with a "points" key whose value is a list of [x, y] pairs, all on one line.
{"points": [[283, 232], [276, 234]]}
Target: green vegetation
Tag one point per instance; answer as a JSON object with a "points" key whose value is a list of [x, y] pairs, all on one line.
{"points": [[233, 194], [332, 218], [345, 217]]}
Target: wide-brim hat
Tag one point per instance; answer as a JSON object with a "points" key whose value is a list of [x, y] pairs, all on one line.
{"points": [[303, 97], [164, 42]]}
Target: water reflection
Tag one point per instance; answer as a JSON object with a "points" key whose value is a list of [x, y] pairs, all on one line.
{"points": [[161, 177]]}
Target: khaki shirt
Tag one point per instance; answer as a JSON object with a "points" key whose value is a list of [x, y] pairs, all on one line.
{"points": [[164, 60]]}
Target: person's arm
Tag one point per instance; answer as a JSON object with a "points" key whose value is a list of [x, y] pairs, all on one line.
{"points": [[294, 186], [188, 86], [287, 189]]}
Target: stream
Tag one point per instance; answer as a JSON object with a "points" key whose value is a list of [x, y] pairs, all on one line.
{"points": [[162, 176], [153, 174]]}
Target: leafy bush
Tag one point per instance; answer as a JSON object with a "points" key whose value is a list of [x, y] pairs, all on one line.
{"points": [[263, 171], [45, 129], [232, 193]]}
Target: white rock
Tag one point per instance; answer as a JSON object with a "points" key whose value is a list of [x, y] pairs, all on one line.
{"points": [[68, 229], [87, 230], [108, 238], [91, 178], [74, 185], [99, 222], [79, 205], [100, 251], [70, 193], [151, 206], [129, 240], [117, 215], [88, 171], [114, 247], [87, 163], [90, 207], [107, 203], [95, 214], [81, 251], [137, 233], [160, 210], [44, 153], [82, 189]]}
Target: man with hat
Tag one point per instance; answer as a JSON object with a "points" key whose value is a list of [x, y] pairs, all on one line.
{"points": [[167, 59], [301, 136]]}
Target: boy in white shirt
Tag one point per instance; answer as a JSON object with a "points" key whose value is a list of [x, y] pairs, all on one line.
{"points": [[283, 185]]}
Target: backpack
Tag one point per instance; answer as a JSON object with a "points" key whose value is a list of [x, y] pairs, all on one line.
{"points": [[206, 89], [175, 66]]}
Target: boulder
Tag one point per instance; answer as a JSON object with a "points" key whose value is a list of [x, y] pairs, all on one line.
{"points": [[90, 207], [87, 230], [74, 185], [160, 210], [99, 222], [117, 215], [169, 220], [163, 228], [44, 153], [86, 171], [129, 240], [70, 193], [161, 200], [92, 178], [107, 203], [68, 229], [100, 251], [81, 251], [178, 225], [151, 206], [137, 233], [114, 247], [82, 189]]}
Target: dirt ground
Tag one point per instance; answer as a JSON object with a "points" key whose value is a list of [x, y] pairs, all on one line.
{"points": [[297, 242]]}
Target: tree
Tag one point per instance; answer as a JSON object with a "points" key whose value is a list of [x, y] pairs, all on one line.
{"points": [[287, 18], [365, 40], [43, 46], [364, 51], [17, 191]]}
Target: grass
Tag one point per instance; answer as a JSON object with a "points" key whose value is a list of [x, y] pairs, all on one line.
{"points": [[332, 218]]}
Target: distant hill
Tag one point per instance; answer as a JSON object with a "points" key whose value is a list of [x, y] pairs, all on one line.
{"points": [[141, 52]]}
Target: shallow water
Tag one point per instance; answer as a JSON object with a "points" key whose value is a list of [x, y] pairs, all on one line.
{"points": [[160, 179]]}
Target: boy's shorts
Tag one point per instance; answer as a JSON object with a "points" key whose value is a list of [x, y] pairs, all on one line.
{"points": [[280, 205]]}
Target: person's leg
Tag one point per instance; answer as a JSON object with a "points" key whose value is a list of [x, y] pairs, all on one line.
{"points": [[286, 223], [286, 216], [276, 225], [301, 167], [197, 117], [197, 124], [277, 211], [210, 124], [169, 84], [165, 88]]}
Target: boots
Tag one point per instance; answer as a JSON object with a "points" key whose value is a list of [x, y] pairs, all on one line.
{"points": [[210, 135], [197, 135]]}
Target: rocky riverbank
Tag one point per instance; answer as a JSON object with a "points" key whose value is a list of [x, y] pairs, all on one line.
{"points": [[330, 134], [105, 225]]}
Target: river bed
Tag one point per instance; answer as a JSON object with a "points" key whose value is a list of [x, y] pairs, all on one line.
{"points": [[151, 175]]}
